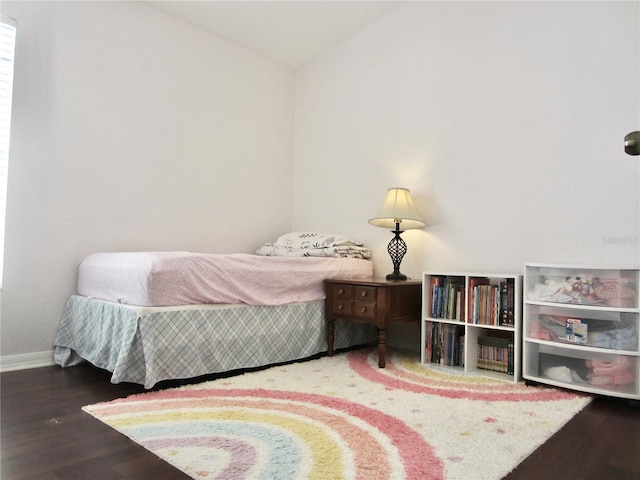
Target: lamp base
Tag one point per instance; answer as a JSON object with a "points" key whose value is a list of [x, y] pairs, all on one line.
{"points": [[396, 248], [396, 276]]}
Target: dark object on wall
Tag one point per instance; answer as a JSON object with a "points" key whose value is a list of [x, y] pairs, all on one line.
{"points": [[632, 143]]}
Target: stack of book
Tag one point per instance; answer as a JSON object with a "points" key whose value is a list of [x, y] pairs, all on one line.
{"points": [[447, 297], [495, 354], [491, 304], [445, 344]]}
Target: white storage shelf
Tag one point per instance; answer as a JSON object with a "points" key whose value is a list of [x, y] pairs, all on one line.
{"points": [[471, 322], [582, 328]]}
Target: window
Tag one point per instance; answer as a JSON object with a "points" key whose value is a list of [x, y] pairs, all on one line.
{"points": [[7, 51]]}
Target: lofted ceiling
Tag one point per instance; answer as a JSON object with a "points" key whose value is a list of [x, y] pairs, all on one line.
{"points": [[292, 33]]}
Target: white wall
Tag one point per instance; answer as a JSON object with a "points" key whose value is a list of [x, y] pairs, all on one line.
{"points": [[505, 119], [133, 131]]}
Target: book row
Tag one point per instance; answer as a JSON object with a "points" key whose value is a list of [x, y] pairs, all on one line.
{"points": [[492, 304], [447, 297], [495, 354], [488, 304], [445, 344]]}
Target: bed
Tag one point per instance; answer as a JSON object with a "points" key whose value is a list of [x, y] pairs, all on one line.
{"points": [[153, 316]]}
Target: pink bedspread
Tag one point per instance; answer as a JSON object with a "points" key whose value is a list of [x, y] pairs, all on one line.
{"points": [[158, 279]]}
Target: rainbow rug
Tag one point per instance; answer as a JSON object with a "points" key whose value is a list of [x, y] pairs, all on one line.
{"points": [[344, 418]]}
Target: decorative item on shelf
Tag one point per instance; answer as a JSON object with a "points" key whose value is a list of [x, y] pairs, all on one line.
{"points": [[397, 210], [632, 143]]}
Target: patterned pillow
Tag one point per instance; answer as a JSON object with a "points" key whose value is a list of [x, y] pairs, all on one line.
{"points": [[302, 240]]}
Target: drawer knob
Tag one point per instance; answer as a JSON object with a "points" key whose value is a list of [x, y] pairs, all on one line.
{"points": [[364, 293], [340, 291], [363, 309], [340, 307]]}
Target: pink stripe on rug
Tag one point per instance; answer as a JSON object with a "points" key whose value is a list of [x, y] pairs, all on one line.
{"points": [[515, 393]]}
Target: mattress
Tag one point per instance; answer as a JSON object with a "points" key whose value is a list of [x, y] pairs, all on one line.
{"points": [[185, 278], [146, 345]]}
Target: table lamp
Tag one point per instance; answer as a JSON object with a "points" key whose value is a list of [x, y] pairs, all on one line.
{"points": [[397, 211]]}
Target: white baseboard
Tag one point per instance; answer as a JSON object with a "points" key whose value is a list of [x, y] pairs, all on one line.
{"points": [[9, 363]]}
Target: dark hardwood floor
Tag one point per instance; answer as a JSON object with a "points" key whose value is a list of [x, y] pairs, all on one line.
{"points": [[46, 436]]}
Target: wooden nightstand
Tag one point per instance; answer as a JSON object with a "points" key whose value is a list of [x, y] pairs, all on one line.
{"points": [[378, 301]]}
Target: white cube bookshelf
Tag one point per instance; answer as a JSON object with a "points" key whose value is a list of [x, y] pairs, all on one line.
{"points": [[472, 322]]}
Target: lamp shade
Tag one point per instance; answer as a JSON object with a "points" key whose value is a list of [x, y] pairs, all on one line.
{"points": [[398, 207]]}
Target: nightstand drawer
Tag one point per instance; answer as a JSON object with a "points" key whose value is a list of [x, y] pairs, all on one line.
{"points": [[365, 310], [342, 306], [364, 294], [341, 292]]}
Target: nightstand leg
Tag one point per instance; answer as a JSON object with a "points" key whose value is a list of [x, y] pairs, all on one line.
{"points": [[330, 331], [382, 347]]}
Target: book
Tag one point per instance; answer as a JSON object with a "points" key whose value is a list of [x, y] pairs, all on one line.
{"points": [[473, 306], [436, 284], [507, 302]]}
